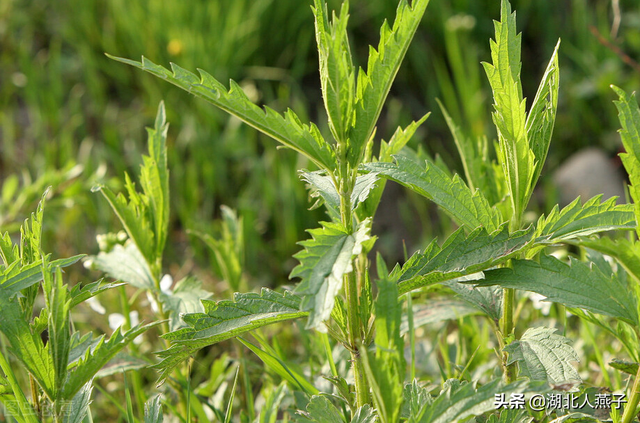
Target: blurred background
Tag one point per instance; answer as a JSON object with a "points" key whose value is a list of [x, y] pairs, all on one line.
{"points": [[70, 117]]}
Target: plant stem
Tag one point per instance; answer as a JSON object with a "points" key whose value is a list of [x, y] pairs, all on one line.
{"points": [[25, 408], [346, 181], [632, 404], [507, 328], [362, 389]]}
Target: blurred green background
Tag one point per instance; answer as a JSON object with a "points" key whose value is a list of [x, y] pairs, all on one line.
{"points": [[70, 117]]}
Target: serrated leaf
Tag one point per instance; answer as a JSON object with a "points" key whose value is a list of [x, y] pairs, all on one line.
{"points": [[321, 410], [365, 414], [31, 235], [153, 410], [542, 115], [476, 162], [14, 278], [399, 139], [373, 86], [145, 216], [629, 116], [337, 73], [516, 157], [326, 258], [185, 298], [578, 219], [76, 410], [460, 255], [460, 400], [542, 354], [127, 264], [226, 319], [9, 251], [416, 400], [97, 357], [80, 293], [466, 207], [26, 345], [59, 344], [487, 299], [435, 311], [322, 185], [628, 367], [577, 284], [132, 214], [154, 179], [287, 129], [626, 252]]}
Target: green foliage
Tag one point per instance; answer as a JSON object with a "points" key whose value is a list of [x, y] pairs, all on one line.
{"points": [[459, 400], [145, 216], [592, 286], [466, 207], [227, 319], [386, 370], [629, 116], [277, 365], [78, 408], [625, 251], [185, 297], [490, 243], [321, 410], [65, 366], [544, 355], [125, 263], [287, 129], [153, 410], [326, 258], [578, 220], [337, 73], [487, 300], [373, 86], [460, 255], [229, 250]]}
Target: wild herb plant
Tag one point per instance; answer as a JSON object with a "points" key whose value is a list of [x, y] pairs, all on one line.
{"points": [[58, 361], [597, 287], [336, 288]]}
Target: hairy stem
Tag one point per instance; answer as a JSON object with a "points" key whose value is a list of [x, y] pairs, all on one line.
{"points": [[506, 329], [346, 179]]}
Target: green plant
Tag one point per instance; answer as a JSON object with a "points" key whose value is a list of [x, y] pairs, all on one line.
{"points": [[59, 363], [597, 287], [349, 180]]}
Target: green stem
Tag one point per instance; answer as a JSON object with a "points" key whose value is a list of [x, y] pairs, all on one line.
{"points": [[632, 404], [507, 326], [25, 408], [507, 329], [345, 183], [327, 348]]}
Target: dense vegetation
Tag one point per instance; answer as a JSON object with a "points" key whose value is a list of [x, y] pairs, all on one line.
{"points": [[213, 209]]}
